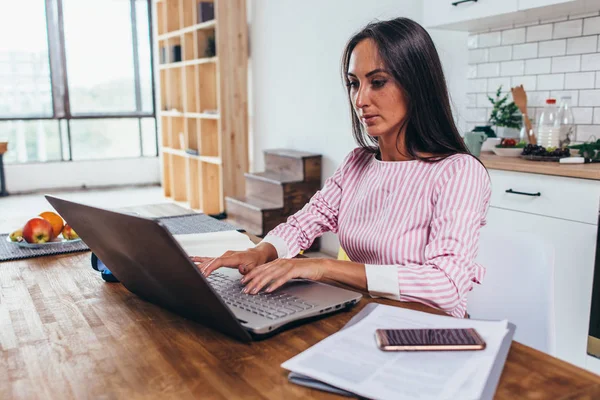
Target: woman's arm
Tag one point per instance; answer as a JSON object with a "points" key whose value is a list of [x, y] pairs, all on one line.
{"points": [[318, 216], [272, 275]]}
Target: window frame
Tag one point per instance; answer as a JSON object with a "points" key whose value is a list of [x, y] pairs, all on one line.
{"points": [[61, 109]]}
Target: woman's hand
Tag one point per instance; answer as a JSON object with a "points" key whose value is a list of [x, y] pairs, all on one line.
{"points": [[244, 261], [278, 272]]}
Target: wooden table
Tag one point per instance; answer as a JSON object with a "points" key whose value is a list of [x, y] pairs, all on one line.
{"points": [[66, 334]]}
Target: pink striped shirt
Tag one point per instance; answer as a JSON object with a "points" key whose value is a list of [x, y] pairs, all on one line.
{"points": [[415, 225]]}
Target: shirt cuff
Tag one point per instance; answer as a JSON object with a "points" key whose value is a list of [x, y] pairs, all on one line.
{"points": [[279, 244], [382, 281]]}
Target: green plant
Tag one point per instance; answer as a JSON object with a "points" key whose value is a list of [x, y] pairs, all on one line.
{"points": [[504, 113], [589, 149]]}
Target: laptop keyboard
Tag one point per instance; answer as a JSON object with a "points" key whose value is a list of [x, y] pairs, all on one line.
{"points": [[269, 305]]}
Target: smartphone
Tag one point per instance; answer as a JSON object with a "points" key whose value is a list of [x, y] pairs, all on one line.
{"points": [[428, 339]]}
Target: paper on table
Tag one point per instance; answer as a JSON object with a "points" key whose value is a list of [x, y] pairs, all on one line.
{"points": [[350, 359], [213, 244]]}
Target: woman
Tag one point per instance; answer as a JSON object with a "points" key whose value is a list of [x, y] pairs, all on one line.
{"points": [[407, 205]]}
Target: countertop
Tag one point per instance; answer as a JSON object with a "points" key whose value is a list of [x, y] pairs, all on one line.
{"points": [[583, 171]]}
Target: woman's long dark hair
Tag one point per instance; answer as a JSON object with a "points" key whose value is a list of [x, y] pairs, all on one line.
{"points": [[409, 55]]}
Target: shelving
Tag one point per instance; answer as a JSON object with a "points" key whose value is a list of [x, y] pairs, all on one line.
{"points": [[203, 100]]}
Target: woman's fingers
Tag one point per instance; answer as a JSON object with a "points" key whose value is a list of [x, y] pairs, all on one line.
{"points": [[277, 283], [232, 261], [198, 260], [259, 270], [264, 277]]}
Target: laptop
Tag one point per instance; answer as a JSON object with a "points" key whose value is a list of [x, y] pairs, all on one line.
{"points": [[150, 263]]}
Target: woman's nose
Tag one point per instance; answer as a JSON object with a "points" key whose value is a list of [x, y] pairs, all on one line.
{"points": [[361, 100]]}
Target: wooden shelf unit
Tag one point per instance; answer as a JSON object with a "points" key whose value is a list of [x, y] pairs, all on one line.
{"points": [[203, 102]]}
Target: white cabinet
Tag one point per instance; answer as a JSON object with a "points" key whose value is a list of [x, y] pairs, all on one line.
{"points": [[574, 244], [529, 4], [438, 13], [564, 215], [485, 14]]}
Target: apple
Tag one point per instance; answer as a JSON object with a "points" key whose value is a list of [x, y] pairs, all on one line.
{"points": [[17, 235], [37, 230], [68, 233]]}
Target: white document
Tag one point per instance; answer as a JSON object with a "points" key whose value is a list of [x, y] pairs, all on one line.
{"points": [[351, 360], [213, 244]]}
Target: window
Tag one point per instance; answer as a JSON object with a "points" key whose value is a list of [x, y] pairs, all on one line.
{"points": [[76, 80]]}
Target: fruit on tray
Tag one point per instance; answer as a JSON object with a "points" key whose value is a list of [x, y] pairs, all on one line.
{"points": [[536, 150], [55, 220], [510, 143], [37, 230], [68, 233], [17, 236]]}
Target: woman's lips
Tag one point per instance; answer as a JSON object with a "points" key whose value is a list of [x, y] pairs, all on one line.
{"points": [[369, 119]]}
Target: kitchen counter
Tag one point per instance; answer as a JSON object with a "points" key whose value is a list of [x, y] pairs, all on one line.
{"points": [[583, 171]]}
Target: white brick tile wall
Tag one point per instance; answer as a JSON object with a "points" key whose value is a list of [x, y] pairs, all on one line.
{"points": [[574, 94], [538, 66], [580, 80], [551, 82], [551, 58], [488, 70], [490, 39], [596, 116], [495, 83], [510, 68], [472, 71], [476, 114], [566, 64], [581, 45], [583, 115], [528, 82], [502, 53], [553, 48], [537, 99], [478, 56], [523, 51], [482, 100], [477, 85], [588, 132], [513, 36], [590, 62], [589, 98], [568, 29], [471, 100], [539, 32], [472, 41], [591, 26]]}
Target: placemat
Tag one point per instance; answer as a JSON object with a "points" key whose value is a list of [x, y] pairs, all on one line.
{"points": [[177, 225]]}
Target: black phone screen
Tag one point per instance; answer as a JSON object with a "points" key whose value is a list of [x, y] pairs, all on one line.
{"points": [[424, 337]]}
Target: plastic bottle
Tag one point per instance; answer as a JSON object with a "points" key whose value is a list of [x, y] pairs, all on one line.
{"points": [[566, 121], [549, 126]]}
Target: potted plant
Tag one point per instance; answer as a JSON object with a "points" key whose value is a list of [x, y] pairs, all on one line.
{"points": [[505, 116]]}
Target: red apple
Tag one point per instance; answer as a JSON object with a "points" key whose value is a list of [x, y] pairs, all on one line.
{"points": [[37, 230], [68, 233]]}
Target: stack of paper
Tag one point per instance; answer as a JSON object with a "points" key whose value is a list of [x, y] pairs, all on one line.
{"points": [[213, 244], [350, 359]]}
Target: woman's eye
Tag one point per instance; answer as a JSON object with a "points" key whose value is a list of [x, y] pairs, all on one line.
{"points": [[352, 84], [377, 83]]}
